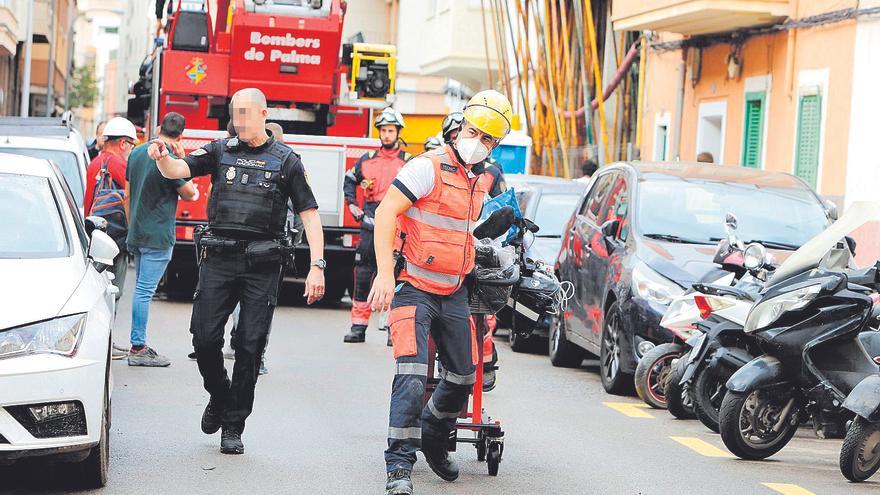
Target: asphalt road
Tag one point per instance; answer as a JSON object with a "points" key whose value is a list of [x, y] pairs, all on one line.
{"points": [[320, 421]]}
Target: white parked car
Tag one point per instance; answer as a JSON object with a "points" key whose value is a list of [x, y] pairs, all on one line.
{"points": [[56, 311], [49, 138]]}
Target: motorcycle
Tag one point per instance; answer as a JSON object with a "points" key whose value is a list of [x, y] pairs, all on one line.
{"points": [[718, 313], [820, 357], [657, 366]]}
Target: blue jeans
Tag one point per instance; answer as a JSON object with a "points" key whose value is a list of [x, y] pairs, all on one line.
{"points": [[150, 265]]}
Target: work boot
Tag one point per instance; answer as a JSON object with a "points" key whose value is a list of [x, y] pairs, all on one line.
{"points": [[146, 356], [488, 379], [355, 336], [438, 459], [264, 370], [230, 440], [389, 343], [211, 416], [399, 483]]}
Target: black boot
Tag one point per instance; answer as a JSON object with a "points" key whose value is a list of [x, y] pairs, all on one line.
{"points": [[389, 344], [211, 416], [399, 483], [356, 335], [230, 440], [437, 455]]}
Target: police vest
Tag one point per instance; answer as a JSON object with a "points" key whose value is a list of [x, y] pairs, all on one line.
{"points": [[247, 192], [436, 233]]}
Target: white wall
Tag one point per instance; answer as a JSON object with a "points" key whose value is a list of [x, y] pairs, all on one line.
{"points": [[135, 41], [863, 167]]}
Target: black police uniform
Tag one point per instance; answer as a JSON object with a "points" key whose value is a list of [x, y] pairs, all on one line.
{"points": [[249, 198]]}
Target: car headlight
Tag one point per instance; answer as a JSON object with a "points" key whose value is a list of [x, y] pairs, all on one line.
{"points": [[766, 312], [654, 287], [56, 336]]}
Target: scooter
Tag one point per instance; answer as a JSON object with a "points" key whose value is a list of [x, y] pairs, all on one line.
{"points": [[655, 368], [718, 313], [812, 323]]}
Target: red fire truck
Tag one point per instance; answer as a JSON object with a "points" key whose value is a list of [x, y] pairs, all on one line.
{"points": [[290, 49]]}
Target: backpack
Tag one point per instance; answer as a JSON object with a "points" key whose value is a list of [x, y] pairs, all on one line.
{"points": [[108, 204]]}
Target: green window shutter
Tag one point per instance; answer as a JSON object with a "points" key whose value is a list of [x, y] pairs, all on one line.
{"points": [[753, 132], [806, 160]]}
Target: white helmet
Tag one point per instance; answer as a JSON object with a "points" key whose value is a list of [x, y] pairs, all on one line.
{"points": [[389, 116], [119, 127]]}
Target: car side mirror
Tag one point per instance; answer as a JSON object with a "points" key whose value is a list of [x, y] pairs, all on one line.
{"points": [[831, 210], [102, 250], [94, 223], [609, 233]]}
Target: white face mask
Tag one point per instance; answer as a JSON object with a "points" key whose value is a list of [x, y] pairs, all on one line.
{"points": [[472, 150]]}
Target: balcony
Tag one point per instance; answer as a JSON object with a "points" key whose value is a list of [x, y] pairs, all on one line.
{"points": [[449, 37], [692, 17], [8, 28]]}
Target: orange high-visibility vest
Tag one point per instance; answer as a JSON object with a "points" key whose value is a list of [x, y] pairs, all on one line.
{"points": [[437, 230]]}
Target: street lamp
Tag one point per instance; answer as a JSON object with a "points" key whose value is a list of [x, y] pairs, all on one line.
{"points": [[70, 33]]}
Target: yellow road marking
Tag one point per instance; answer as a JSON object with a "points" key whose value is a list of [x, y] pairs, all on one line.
{"points": [[631, 409], [788, 489], [701, 447]]}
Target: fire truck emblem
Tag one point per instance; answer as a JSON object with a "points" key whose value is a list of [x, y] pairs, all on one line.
{"points": [[197, 70]]}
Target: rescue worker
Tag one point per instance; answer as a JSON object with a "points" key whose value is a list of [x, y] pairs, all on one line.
{"points": [[450, 128], [427, 215], [252, 178], [374, 172], [433, 143]]}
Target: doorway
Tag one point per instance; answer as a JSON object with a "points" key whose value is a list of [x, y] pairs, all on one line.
{"points": [[711, 126]]}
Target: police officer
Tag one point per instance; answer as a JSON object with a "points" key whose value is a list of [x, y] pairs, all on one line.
{"points": [[374, 172], [428, 215], [252, 178]]}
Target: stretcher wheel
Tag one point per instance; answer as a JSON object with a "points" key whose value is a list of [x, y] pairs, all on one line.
{"points": [[493, 458], [481, 450]]}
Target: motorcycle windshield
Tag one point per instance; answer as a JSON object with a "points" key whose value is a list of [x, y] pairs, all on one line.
{"points": [[811, 254]]}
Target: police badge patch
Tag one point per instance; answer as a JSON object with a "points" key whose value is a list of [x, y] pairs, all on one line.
{"points": [[199, 152], [230, 173]]}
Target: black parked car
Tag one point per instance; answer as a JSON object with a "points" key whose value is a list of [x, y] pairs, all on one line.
{"points": [[645, 232], [549, 202]]}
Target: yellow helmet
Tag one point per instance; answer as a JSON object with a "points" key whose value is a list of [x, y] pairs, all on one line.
{"points": [[490, 112]]}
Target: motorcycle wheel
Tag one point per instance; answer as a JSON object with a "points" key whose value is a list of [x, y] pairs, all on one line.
{"points": [[746, 423], [679, 398], [860, 454], [651, 373], [709, 390]]}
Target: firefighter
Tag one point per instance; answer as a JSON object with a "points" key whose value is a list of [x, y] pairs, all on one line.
{"points": [[450, 128], [433, 143], [242, 254], [374, 173], [427, 216]]}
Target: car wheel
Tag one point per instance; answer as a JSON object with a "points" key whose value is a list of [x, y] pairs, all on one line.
{"points": [[519, 342], [96, 467], [563, 353], [611, 354], [652, 371]]}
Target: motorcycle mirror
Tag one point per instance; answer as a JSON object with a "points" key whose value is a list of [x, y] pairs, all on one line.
{"points": [[530, 226], [497, 224], [831, 210], [730, 221]]}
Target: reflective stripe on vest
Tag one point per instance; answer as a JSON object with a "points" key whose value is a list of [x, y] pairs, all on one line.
{"points": [[439, 247], [440, 221]]}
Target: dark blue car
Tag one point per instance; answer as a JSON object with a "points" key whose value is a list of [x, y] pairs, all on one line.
{"points": [[643, 233]]}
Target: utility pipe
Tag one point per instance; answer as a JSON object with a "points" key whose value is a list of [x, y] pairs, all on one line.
{"points": [[640, 107]]}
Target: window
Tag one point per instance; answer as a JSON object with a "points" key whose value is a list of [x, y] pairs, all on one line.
{"points": [[29, 219], [65, 160], [553, 212], [753, 130], [809, 133], [617, 204], [596, 197]]}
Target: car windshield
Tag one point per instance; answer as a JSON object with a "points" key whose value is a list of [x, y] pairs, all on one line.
{"points": [[65, 160], [29, 219], [553, 211], [687, 210]]}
